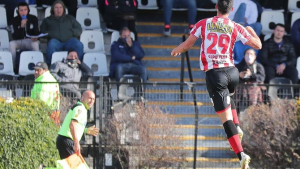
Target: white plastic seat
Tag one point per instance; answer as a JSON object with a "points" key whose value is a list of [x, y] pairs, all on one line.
{"points": [[28, 59], [268, 17], [47, 11], [295, 16], [6, 63], [207, 10], [88, 18], [4, 41], [33, 11], [298, 66], [149, 5], [89, 3], [115, 36], [92, 41], [59, 56], [292, 5], [3, 20], [97, 62]]}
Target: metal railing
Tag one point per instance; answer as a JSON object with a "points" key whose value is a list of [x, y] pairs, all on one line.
{"points": [[195, 129]]}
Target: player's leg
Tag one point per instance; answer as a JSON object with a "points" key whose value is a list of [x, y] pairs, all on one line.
{"points": [[236, 119]]}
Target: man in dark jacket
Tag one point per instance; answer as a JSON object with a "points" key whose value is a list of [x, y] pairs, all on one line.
{"points": [[126, 57], [278, 56], [121, 13], [23, 24], [70, 70], [295, 35], [63, 32]]}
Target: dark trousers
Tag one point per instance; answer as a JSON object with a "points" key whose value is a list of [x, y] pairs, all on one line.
{"points": [[289, 72], [64, 146], [72, 6]]}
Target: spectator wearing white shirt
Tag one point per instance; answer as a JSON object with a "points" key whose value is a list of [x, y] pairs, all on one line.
{"points": [[245, 13]]}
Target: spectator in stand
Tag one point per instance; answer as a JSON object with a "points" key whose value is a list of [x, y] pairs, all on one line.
{"points": [[245, 13], [120, 13], [126, 57], [63, 32], [271, 4], [70, 70], [23, 24], [168, 5], [295, 35], [10, 6], [278, 56], [250, 72]]}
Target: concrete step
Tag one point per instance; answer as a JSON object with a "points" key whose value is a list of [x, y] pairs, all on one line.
{"points": [[166, 51]]}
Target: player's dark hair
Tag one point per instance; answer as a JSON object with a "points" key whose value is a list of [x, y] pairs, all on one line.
{"points": [[280, 25], [224, 6]]}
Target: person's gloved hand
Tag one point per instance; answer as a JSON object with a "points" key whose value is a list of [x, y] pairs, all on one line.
{"points": [[92, 131]]}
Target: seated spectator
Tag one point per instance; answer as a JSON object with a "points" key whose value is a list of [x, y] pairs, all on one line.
{"points": [[126, 57], [70, 70], [245, 13], [63, 32], [168, 5], [250, 72], [47, 92], [23, 24], [119, 14], [278, 56], [275, 5], [295, 35]]}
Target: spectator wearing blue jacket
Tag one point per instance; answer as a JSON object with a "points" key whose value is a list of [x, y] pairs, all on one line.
{"points": [[126, 57], [295, 35]]}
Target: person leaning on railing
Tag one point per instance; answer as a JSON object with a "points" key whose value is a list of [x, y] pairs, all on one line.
{"points": [[47, 92], [251, 72]]}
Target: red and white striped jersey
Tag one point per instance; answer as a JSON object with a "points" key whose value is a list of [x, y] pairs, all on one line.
{"points": [[218, 38]]}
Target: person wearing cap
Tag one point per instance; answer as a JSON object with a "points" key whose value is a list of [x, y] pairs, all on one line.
{"points": [[47, 92], [63, 32]]}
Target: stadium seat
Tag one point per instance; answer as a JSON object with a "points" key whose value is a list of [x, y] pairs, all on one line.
{"points": [[269, 19], [89, 18], [295, 16], [3, 20], [115, 36], [6, 63], [130, 88], [280, 92], [147, 5], [33, 11], [4, 40], [28, 59], [92, 41], [267, 36], [87, 3], [59, 56], [298, 67], [97, 62], [47, 11], [294, 5], [206, 10]]}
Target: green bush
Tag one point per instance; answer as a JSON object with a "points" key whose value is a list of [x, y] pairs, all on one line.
{"points": [[27, 135]]}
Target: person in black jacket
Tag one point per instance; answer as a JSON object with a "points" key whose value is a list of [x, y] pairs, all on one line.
{"points": [[250, 72], [278, 56], [121, 13], [126, 57], [24, 23]]}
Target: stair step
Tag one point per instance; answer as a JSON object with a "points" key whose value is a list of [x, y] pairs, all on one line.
{"points": [[191, 137], [170, 69], [164, 46], [193, 126], [192, 148], [167, 51], [193, 115], [175, 91], [159, 24], [166, 103], [166, 58], [152, 35], [173, 80]]}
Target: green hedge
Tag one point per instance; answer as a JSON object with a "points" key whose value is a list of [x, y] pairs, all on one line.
{"points": [[27, 135]]}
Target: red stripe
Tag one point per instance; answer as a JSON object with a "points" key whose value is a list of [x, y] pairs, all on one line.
{"points": [[202, 57], [235, 116], [106, 2], [134, 2], [224, 109], [215, 19], [226, 21], [236, 144]]}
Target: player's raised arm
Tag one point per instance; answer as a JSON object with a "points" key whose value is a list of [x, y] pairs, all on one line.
{"points": [[184, 46], [254, 41]]}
